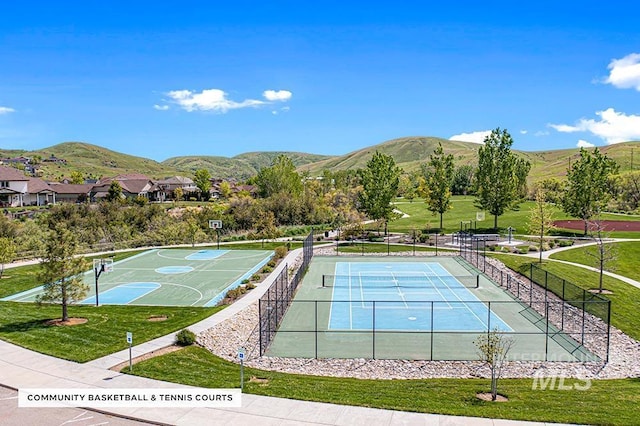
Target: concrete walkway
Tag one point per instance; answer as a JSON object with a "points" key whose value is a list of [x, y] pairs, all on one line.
{"points": [[21, 368], [546, 254]]}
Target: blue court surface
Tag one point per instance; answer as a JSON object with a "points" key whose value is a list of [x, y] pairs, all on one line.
{"points": [[405, 296]]}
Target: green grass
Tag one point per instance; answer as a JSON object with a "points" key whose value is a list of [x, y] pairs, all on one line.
{"points": [[421, 218], [606, 402], [625, 263], [625, 300], [104, 332]]}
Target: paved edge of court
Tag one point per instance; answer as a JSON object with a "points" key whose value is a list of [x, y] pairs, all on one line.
{"points": [[22, 368]]}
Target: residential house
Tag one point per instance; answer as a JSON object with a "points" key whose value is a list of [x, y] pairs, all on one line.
{"points": [[18, 190], [165, 187], [72, 193], [133, 185]]}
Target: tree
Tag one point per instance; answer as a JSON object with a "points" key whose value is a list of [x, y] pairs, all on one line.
{"points": [[380, 180], [604, 253], [493, 348], [202, 179], [462, 183], [225, 190], [178, 193], [280, 178], [115, 192], [587, 192], [439, 176], [7, 252], [629, 191], [61, 271], [541, 218], [500, 176], [265, 224], [77, 178]]}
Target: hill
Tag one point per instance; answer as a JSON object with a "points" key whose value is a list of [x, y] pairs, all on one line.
{"points": [[93, 160], [410, 152], [242, 166]]}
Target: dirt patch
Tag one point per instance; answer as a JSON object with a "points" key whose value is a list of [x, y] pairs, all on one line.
{"points": [[71, 321], [609, 225], [486, 396], [158, 352], [157, 318], [259, 380]]}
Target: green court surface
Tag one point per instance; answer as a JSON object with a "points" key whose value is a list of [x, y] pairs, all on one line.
{"points": [[364, 316], [170, 277]]}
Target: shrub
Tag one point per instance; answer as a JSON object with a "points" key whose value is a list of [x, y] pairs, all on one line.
{"points": [[250, 286], [280, 252], [565, 243], [267, 269], [185, 337], [255, 277], [245, 281], [272, 263], [533, 248]]}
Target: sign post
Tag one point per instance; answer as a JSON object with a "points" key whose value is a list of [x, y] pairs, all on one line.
{"points": [[241, 357], [130, 341], [510, 230]]}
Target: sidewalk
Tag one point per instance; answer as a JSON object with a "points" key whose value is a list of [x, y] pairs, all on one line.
{"points": [[21, 368]]}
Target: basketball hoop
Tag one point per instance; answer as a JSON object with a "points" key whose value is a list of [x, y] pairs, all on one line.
{"points": [[100, 266], [479, 216], [215, 224]]}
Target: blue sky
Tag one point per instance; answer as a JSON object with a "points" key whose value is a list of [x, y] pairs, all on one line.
{"points": [[166, 79]]}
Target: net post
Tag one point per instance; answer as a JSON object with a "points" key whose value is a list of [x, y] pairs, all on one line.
{"points": [[373, 331], [477, 280], [546, 332], [316, 326], [431, 355], [260, 325], [608, 329]]}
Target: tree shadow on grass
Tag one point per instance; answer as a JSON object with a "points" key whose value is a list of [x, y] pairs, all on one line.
{"points": [[21, 327]]}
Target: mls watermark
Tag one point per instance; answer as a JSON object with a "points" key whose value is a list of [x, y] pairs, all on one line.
{"points": [[559, 382]]}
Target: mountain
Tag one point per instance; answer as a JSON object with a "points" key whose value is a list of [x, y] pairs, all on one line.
{"points": [[242, 166]]}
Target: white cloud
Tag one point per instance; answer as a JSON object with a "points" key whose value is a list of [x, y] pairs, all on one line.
{"points": [[161, 107], [277, 95], [625, 73], [475, 137], [6, 110], [524, 132], [209, 100], [584, 144], [540, 133], [612, 127]]}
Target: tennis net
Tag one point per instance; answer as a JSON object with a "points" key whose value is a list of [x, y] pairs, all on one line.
{"points": [[409, 281]]}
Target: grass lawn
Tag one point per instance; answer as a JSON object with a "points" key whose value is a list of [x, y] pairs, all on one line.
{"points": [[381, 248], [625, 263], [421, 218], [625, 300], [103, 333], [605, 402]]}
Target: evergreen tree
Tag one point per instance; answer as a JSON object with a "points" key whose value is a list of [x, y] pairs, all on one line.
{"points": [[280, 178], [60, 271], [202, 179]]}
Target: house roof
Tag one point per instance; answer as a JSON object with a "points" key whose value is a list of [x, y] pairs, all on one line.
{"points": [[11, 174], [182, 180], [124, 177], [69, 188], [37, 185]]}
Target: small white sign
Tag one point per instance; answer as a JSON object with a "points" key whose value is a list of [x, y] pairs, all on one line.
{"points": [[241, 353], [129, 337]]}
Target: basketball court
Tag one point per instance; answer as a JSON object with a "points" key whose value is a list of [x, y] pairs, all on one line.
{"points": [[167, 277]]}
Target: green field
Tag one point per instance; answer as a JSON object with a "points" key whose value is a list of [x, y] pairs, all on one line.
{"points": [[624, 263], [606, 402]]}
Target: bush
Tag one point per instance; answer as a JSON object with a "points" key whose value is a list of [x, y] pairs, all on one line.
{"points": [[272, 263], [185, 337], [255, 277], [250, 286], [267, 269], [280, 252], [533, 248], [565, 243]]}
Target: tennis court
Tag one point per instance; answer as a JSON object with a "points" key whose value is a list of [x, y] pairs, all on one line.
{"points": [[170, 277], [410, 308]]}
